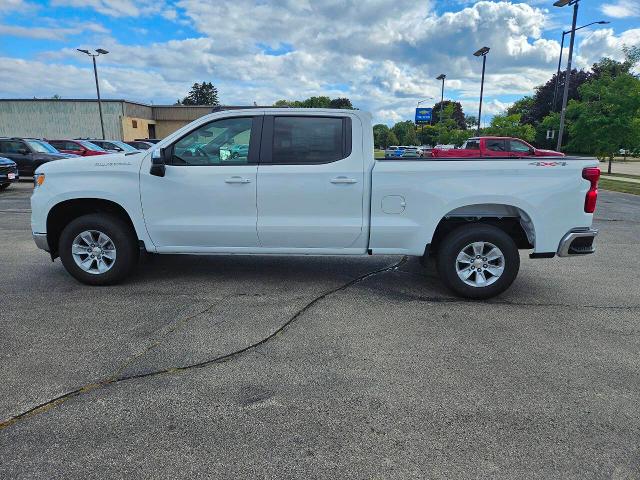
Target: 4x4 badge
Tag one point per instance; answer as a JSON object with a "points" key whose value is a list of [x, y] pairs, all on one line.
{"points": [[549, 164]]}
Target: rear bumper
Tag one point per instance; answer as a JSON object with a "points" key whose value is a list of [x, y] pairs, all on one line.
{"points": [[577, 242], [41, 241]]}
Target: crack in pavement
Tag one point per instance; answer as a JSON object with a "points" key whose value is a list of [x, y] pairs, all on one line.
{"points": [[114, 379]]}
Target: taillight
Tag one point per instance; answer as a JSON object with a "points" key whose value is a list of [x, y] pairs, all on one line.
{"points": [[593, 175]]}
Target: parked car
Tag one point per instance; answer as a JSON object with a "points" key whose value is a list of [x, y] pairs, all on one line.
{"points": [[114, 146], [402, 151], [484, 147], [140, 144], [82, 148], [8, 172], [310, 186], [28, 153]]}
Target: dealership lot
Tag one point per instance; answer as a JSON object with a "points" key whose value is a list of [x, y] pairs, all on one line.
{"points": [[375, 370]]}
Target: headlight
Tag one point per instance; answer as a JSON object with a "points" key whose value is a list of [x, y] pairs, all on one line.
{"points": [[38, 179]]}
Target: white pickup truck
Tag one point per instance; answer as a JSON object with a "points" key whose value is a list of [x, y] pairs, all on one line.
{"points": [[305, 182]]}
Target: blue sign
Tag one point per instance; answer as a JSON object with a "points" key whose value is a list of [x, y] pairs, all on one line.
{"points": [[423, 115]]}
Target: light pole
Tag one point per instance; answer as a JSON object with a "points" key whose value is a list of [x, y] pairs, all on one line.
{"points": [[567, 80], [442, 76], [99, 51], [481, 53], [555, 90]]}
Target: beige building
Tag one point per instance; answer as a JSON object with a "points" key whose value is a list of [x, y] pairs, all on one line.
{"points": [[78, 118]]}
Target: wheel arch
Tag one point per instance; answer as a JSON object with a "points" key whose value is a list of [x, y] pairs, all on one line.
{"points": [[513, 220], [62, 213]]}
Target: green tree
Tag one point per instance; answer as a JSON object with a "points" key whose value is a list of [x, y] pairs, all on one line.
{"points": [[343, 103], [316, 102], [381, 135], [406, 132], [428, 135], [471, 121], [456, 113], [511, 126], [608, 117], [201, 94], [392, 139], [522, 107]]}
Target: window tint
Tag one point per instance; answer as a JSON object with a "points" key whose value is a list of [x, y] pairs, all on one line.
{"points": [[222, 142], [72, 146], [519, 147], [472, 145], [299, 140], [12, 146], [496, 145]]}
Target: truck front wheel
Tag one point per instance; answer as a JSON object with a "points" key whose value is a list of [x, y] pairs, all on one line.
{"points": [[98, 249], [478, 261]]}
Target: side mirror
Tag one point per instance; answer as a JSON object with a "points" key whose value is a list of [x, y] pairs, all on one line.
{"points": [[23, 151], [158, 167]]}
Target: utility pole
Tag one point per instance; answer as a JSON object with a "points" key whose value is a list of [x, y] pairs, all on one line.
{"points": [[567, 81]]}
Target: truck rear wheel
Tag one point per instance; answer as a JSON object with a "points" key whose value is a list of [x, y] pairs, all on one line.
{"points": [[478, 261], [98, 249]]}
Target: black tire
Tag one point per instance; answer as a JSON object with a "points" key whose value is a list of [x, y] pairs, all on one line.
{"points": [[4, 186], [463, 236], [122, 236]]}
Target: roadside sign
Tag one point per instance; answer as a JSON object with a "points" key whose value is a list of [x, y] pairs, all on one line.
{"points": [[423, 115]]}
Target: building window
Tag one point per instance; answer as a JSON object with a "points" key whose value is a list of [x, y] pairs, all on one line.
{"points": [[134, 123]]}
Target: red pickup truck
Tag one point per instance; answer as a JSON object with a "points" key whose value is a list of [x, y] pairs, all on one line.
{"points": [[494, 147]]}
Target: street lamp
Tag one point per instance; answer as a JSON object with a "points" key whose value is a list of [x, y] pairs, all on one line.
{"points": [[481, 53], [555, 90], [567, 80], [99, 51], [442, 76]]}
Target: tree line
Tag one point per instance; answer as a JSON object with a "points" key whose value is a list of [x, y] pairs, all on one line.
{"points": [[603, 114]]}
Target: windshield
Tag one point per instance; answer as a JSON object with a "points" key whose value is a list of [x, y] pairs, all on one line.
{"points": [[91, 146], [48, 146], [127, 148], [38, 147]]}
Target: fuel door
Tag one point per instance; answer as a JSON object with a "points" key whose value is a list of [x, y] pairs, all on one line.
{"points": [[393, 204]]}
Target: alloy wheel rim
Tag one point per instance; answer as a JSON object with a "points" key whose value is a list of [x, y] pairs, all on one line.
{"points": [[480, 264], [94, 252]]}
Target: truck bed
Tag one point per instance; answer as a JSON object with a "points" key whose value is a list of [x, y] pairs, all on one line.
{"points": [[547, 193]]}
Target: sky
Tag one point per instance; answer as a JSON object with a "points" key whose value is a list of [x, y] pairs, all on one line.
{"points": [[382, 54]]}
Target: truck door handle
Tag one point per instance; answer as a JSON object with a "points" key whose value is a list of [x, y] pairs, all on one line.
{"points": [[343, 180], [237, 179]]}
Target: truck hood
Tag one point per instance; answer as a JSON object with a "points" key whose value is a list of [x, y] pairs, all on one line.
{"points": [[548, 153], [4, 162], [112, 162]]}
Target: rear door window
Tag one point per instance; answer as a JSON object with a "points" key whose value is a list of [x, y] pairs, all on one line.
{"points": [[472, 145], [310, 140], [496, 145]]}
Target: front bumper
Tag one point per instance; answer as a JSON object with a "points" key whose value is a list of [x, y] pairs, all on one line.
{"points": [[6, 173], [577, 242], [41, 241]]}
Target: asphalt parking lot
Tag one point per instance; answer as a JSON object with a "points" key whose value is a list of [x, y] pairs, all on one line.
{"points": [[267, 367]]}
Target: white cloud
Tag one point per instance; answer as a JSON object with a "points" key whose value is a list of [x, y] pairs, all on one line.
{"points": [[16, 5], [115, 8], [621, 9], [46, 33], [384, 62], [604, 43]]}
